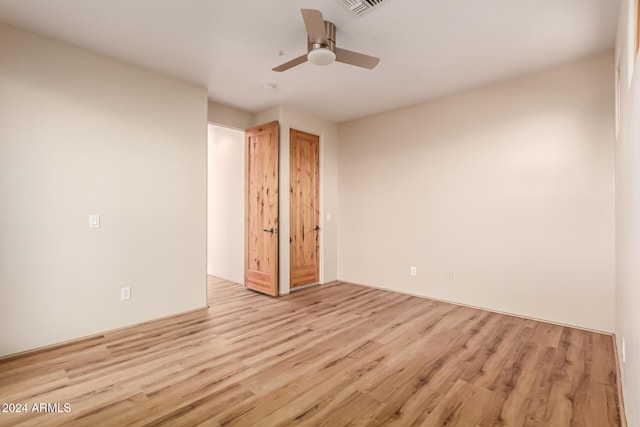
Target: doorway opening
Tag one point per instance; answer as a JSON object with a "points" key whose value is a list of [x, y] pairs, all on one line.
{"points": [[225, 203]]}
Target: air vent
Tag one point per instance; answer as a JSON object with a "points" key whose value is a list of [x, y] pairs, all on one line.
{"points": [[360, 8]]}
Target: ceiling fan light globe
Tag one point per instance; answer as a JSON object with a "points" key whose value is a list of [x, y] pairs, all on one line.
{"points": [[321, 56]]}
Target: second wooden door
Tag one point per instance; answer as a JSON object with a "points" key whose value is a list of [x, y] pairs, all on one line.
{"points": [[304, 211]]}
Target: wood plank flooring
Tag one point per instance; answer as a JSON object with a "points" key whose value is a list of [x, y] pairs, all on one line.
{"points": [[329, 355]]}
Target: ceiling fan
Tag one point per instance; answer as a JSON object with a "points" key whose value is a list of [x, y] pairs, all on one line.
{"points": [[321, 45]]}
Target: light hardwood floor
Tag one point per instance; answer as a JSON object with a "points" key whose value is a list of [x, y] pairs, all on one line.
{"points": [[330, 355]]}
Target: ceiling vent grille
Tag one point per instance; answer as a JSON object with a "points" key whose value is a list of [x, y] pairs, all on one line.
{"points": [[360, 8]]}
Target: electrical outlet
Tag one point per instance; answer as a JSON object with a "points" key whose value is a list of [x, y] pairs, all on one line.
{"points": [[125, 293], [624, 351], [449, 275], [413, 271]]}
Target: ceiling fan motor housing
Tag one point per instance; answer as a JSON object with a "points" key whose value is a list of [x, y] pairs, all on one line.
{"points": [[331, 35], [330, 41]]}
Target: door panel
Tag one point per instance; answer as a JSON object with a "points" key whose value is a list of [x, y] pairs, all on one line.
{"points": [[261, 209], [304, 198]]}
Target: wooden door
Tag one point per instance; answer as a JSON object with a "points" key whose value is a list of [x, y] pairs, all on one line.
{"points": [[304, 199], [261, 209]]}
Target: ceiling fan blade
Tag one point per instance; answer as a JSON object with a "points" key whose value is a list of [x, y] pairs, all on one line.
{"points": [[355, 58], [290, 64], [314, 22]]}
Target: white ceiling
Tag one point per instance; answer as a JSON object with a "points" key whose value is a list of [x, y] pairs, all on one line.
{"points": [[427, 47]]}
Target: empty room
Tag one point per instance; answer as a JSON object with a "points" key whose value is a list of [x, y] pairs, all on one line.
{"points": [[319, 213]]}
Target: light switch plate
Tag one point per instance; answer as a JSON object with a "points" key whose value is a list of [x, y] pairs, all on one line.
{"points": [[94, 221]]}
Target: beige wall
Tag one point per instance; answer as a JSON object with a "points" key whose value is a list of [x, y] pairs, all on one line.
{"points": [[266, 116], [83, 134], [502, 197], [225, 201], [231, 117], [628, 213]]}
